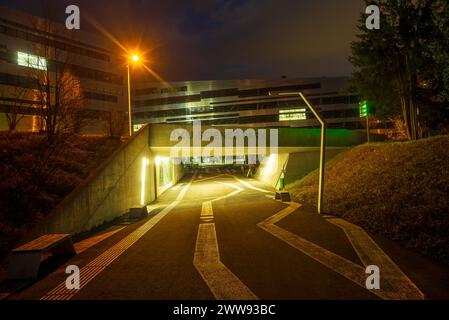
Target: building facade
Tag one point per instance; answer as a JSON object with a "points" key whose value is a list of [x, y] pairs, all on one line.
{"points": [[31, 45], [259, 103]]}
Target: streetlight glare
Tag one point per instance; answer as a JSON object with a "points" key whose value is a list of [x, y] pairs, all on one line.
{"points": [[135, 58]]}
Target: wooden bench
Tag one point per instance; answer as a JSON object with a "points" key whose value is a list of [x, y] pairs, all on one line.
{"points": [[25, 261]]}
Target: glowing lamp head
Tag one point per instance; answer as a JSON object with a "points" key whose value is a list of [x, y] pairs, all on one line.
{"points": [[135, 58]]}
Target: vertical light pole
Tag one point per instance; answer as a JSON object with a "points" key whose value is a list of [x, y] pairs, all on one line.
{"points": [[322, 147], [364, 112], [135, 58], [322, 153], [367, 128]]}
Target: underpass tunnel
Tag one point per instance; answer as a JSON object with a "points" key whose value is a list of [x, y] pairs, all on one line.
{"points": [[167, 172]]}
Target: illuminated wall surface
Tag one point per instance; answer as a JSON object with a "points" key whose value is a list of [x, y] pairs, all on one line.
{"points": [[127, 180], [165, 172]]}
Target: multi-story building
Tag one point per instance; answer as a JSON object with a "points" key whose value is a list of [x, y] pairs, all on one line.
{"points": [[24, 44], [30, 44], [260, 103]]}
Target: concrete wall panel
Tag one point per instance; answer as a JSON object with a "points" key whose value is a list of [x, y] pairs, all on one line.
{"points": [[109, 192]]}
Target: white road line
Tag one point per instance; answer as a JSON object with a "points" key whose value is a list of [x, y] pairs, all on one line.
{"points": [[393, 280], [248, 185], [238, 190], [209, 178], [206, 211], [223, 284], [341, 265], [96, 266]]}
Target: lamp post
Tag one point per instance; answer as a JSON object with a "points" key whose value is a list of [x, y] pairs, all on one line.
{"points": [[135, 58], [322, 147]]}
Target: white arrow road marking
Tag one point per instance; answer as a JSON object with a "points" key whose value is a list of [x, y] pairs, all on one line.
{"points": [[223, 284], [393, 279], [341, 265], [96, 266]]}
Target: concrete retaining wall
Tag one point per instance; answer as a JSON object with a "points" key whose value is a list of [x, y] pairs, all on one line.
{"points": [[297, 165], [299, 148], [109, 192]]}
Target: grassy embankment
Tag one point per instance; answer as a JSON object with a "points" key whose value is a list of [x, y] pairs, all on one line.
{"points": [[398, 190], [36, 175]]}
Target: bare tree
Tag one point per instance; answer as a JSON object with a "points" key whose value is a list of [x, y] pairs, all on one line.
{"points": [[61, 102], [58, 92], [113, 123], [17, 102]]}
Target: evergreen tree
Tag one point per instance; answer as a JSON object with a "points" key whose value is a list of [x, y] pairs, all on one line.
{"points": [[402, 67]]}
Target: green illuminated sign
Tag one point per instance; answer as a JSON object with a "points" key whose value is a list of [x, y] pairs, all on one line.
{"points": [[363, 109]]}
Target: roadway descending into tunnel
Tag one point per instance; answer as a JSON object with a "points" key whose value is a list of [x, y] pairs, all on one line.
{"points": [[220, 235]]}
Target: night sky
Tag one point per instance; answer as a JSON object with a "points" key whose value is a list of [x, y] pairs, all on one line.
{"points": [[227, 39]]}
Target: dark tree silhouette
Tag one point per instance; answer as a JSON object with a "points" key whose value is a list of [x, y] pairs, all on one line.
{"points": [[400, 68]]}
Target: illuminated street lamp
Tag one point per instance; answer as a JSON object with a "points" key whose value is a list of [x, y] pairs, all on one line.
{"points": [[133, 59]]}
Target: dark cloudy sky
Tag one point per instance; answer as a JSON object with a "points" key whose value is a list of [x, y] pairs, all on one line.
{"points": [[228, 39]]}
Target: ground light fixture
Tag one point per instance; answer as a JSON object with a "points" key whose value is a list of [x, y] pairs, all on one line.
{"points": [[322, 144]]}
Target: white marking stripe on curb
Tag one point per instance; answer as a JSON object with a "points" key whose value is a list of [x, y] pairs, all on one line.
{"points": [[96, 266], [393, 279], [341, 265]]}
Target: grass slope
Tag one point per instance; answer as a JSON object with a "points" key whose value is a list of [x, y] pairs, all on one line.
{"points": [[399, 190], [36, 175]]}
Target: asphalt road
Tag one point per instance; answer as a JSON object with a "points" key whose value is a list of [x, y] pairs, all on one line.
{"points": [[205, 239]]}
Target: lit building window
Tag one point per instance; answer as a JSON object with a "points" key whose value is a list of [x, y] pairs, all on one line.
{"points": [[292, 114], [31, 61]]}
